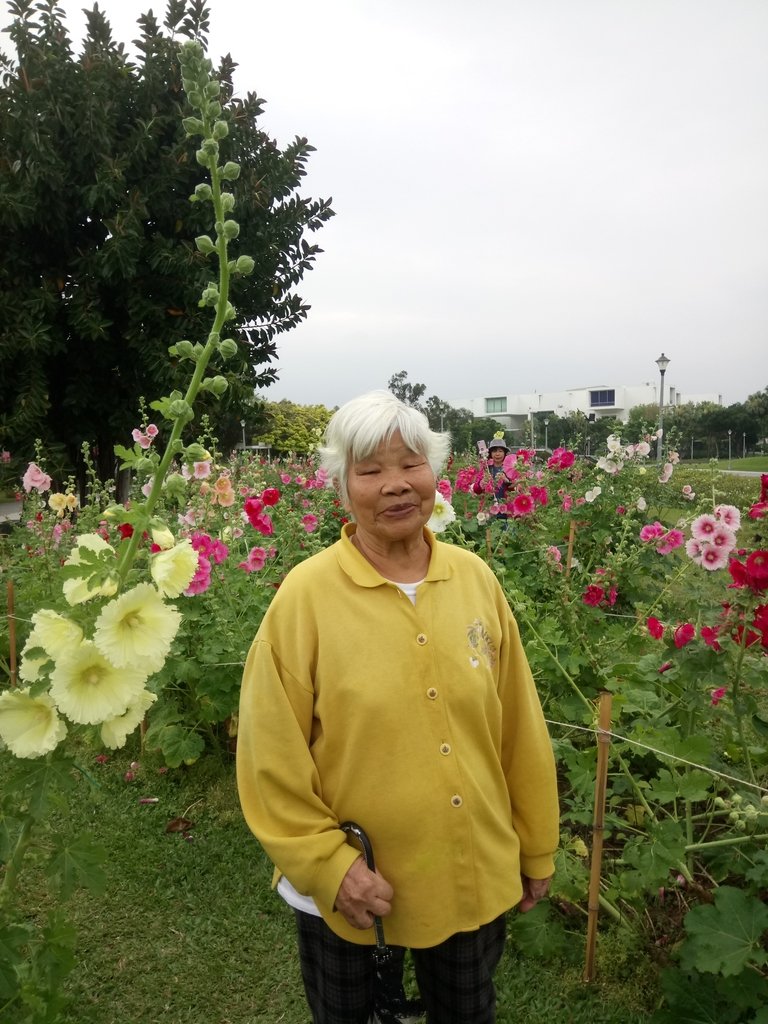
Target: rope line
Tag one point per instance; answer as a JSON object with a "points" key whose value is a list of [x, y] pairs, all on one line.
{"points": [[661, 753]]}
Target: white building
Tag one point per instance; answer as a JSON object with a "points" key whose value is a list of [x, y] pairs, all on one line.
{"points": [[597, 400]]}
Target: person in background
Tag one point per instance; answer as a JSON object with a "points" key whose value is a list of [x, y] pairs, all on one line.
{"points": [[500, 482], [388, 684]]}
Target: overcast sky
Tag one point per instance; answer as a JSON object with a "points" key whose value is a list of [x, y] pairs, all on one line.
{"points": [[530, 194]]}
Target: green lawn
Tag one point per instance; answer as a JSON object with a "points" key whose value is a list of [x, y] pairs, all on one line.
{"points": [[189, 931]]}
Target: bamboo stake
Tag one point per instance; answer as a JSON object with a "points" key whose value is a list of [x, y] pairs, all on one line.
{"points": [[598, 831], [569, 556], [11, 634]]}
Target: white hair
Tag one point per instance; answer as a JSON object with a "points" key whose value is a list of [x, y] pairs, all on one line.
{"points": [[356, 430]]}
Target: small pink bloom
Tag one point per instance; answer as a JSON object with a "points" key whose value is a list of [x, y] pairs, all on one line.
{"points": [[669, 542], [263, 524], [723, 537], [688, 492], [621, 510], [703, 527], [201, 581], [5, 456], [709, 635], [285, 478], [142, 440], [717, 695], [152, 430], [257, 557], [567, 503], [684, 634], [35, 479], [651, 531], [521, 505], [201, 470], [253, 507], [309, 522], [729, 515], [666, 473], [713, 558], [445, 489]]}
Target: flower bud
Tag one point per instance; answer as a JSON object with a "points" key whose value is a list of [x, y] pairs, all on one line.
{"points": [[231, 229], [196, 453], [220, 130], [176, 486], [203, 192], [193, 126], [205, 245], [217, 385], [228, 348], [212, 90], [227, 202], [180, 410], [230, 171], [213, 109], [245, 265], [182, 349]]}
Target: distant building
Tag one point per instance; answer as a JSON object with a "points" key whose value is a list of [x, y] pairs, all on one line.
{"points": [[598, 400]]}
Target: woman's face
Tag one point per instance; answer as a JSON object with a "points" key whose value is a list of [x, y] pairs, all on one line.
{"points": [[497, 456], [391, 494]]}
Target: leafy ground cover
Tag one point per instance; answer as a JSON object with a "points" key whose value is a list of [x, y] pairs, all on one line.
{"points": [[186, 929]]}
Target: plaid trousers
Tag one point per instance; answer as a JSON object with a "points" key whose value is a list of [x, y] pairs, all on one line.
{"points": [[455, 978]]}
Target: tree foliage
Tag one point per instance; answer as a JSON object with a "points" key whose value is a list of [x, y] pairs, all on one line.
{"points": [[99, 271], [287, 427]]}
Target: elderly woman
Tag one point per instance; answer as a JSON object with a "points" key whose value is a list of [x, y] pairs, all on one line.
{"points": [[388, 685]]}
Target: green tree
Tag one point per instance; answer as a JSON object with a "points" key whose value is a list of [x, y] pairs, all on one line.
{"points": [[99, 272], [292, 428]]}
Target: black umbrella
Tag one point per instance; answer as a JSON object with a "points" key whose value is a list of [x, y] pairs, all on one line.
{"points": [[390, 1004]]}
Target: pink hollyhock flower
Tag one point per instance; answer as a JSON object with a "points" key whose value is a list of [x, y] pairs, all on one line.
{"points": [[202, 578], [709, 635], [321, 475], [666, 473], [723, 537], [713, 558], [729, 515], [467, 477], [643, 449], [152, 430], [693, 550], [684, 634], [253, 507], [561, 458], [669, 542], [5, 456], [147, 487], [655, 627], [611, 595], [717, 695], [509, 465], [525, 455], [263, 524], [35, 479], [285, 478], [270, 495], [688, 492], [621, 510], [309, 522], [444, 488], [665, 667], [141, 439], [255, 561], [703, 527], [521, 505], [201, 470], [554, 554], [652, 531], [201, 542], [539, 495], [219, 550], [567, 503]]}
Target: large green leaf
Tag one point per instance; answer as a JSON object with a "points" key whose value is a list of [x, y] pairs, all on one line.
{"points": [[693, 998], [538, 933], [77, 862], [725, 937]]}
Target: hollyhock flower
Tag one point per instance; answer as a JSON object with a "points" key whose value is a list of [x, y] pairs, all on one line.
{"points": [[539, 494], [172, 570], [162, 537], [608, 465], [666, 472], [146, 489], [688, 492], [115, 731], [309, 522], [152, 430], [201, 470], [592, 494], [285, 478], [722, 537], [218, 551], [641, 504], [443, 514], [141, 439], [757, 568], [729, 515], [444, 488], [466, 478], [665, 667], [704, 526], [509, 465], [709, 635], [137, 630], [521, 505], [270, 496], [525, 455], [5, 456], [669, 542], [253, 508], [760, 623], [35, 479], [202, 578], [712, 558], [593, 595], [88, 688], [684, 634], [554, 555], [643, 449], [693, 550], [561, 459], [53, 632], [262, 523], [758, 510], [652, 531], [717, 695], [78, 589], [567, 503], [655, 627], [255, 561], [621, 510], [61, 503], [30, 726], [482, 518]]}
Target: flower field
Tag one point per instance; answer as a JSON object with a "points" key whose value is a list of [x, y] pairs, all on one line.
{"points": [[642, 597]]}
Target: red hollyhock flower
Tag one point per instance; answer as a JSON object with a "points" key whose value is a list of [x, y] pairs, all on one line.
{"points": [[709, 635], [684, 634], [125, 530], [270, 495], [757, 567], [655, 628]]}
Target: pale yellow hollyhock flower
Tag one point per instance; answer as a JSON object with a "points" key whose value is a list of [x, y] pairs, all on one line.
{"points": [[137, 629], [163, 537], [88, 689], [29, 726], [442, 514], [172, 570], [58, 503], [55, 634], [115, 731], [76, 590]]}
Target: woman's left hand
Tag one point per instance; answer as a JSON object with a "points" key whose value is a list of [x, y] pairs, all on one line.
{"points": [[534, 889]]}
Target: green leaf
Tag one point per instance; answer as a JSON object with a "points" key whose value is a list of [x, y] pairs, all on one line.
{"points": [[693, 998], [725, 938], [537, 933], [758, 873], [760, 726], [180, 745], [13, 939], [77, 862]]}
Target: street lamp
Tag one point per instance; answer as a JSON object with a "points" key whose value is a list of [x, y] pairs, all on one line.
{"points": [[743, 444], [242, 424], [546, 436], [729, 448], [662, 362]]}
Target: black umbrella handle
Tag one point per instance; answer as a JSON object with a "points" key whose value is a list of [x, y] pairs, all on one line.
{"points": [[353, 829]]}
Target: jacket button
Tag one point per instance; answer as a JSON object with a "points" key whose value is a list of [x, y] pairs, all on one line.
{"points": [[421, 639], [445, 748], [456, 800], [432, 693]]}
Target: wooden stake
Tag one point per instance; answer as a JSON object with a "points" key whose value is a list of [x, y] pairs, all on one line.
{"points": [[569, 556], [598, 831], [11, 634]]}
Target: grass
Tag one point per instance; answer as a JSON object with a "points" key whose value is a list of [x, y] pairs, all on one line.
{"points": [[189, 931]]}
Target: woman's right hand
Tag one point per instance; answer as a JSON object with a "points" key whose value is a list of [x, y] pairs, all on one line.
{"points": [[362, 894]]}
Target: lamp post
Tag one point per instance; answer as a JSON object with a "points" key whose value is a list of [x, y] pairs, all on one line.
{"points": [[242, 424], [729, 448], [662, 362], [546, 433], [743, 444]]}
